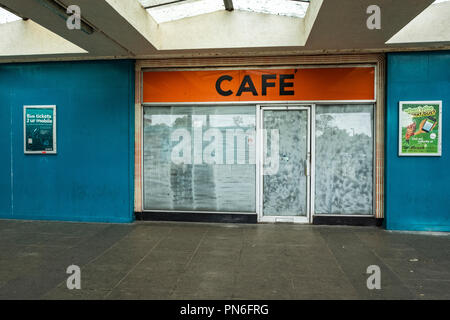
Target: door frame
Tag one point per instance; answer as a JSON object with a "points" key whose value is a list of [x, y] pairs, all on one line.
{"points": [[260, 163]]}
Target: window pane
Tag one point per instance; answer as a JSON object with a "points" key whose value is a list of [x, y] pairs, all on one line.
{"points": [[199, 158], [285, 183], [184, 9], [279, 7], [344, 159]]}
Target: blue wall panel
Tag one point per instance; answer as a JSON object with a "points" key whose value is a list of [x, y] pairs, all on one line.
{"points": [[5, 151], [91, 176], [417, 188]]}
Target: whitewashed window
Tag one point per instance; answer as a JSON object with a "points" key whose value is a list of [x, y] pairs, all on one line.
{"points": [[344, 160], [200, 158]]}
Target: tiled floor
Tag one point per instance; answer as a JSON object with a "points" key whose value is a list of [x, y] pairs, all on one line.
{"points": [[219, 261]]}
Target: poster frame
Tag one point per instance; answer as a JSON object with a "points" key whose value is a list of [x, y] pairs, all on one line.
{"points": [[25, 107], [435, 154]]}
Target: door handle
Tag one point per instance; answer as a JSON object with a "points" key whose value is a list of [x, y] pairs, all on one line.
{"points": [[307, 173], [306, 168]]}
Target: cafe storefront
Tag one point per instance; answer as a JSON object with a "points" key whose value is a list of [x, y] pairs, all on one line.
{"points": [[293, 139]]}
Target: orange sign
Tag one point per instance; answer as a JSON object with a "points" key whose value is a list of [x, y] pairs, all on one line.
{"points": [[309, 84]]}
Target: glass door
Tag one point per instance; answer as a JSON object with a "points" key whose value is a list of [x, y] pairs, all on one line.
{"points": [[285, 169]]}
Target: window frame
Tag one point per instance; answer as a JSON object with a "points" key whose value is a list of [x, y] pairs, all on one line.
{"points": [[374, 142], [193, 104]]}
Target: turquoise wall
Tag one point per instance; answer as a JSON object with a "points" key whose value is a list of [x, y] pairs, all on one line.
{"points": [[417, 188], [91, 176]]}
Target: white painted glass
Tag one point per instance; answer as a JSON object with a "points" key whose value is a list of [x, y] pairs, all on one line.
{"points": [[200, 158], [285, 155], [278, 7], [170, 10], [185, 9], [344, 160]]}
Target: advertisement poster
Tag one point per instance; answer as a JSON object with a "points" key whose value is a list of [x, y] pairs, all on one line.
{"points": [[420, 132], [40, 129]]}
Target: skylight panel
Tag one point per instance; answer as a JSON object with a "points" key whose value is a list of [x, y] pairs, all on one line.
{"points": [[181, 9], [278, 7], [6, 16], [156, 3]]}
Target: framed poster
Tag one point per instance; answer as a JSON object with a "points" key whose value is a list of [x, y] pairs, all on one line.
{"points": [[39, 129], [420, 128]]}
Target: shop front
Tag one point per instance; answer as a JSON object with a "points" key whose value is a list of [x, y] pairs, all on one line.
{"points": [[298, 142]]}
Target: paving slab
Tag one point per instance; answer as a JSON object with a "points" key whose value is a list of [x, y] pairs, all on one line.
{"points": [[160, 260]]}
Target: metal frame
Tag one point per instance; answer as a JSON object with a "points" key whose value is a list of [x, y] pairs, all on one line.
{"points": [[275, 105], [260, 103], [400, 153], [142, 161], [60, 9], [163, 4], [228, 5], [259, 67], [260, 167], [313, 162], [53, 107]]}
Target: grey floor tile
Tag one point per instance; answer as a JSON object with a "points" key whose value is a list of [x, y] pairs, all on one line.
{"points": [[336, 288], [62, 293], [218, 261], [408, 269], [430, 289], [162, 281], [273, 287], [137, 294]]}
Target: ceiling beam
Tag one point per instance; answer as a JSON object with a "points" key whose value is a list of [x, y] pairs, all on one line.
{"points": [[432, 26], [120, 27], [343, 24], [25, 39], [123, 28], [12, 11]]}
